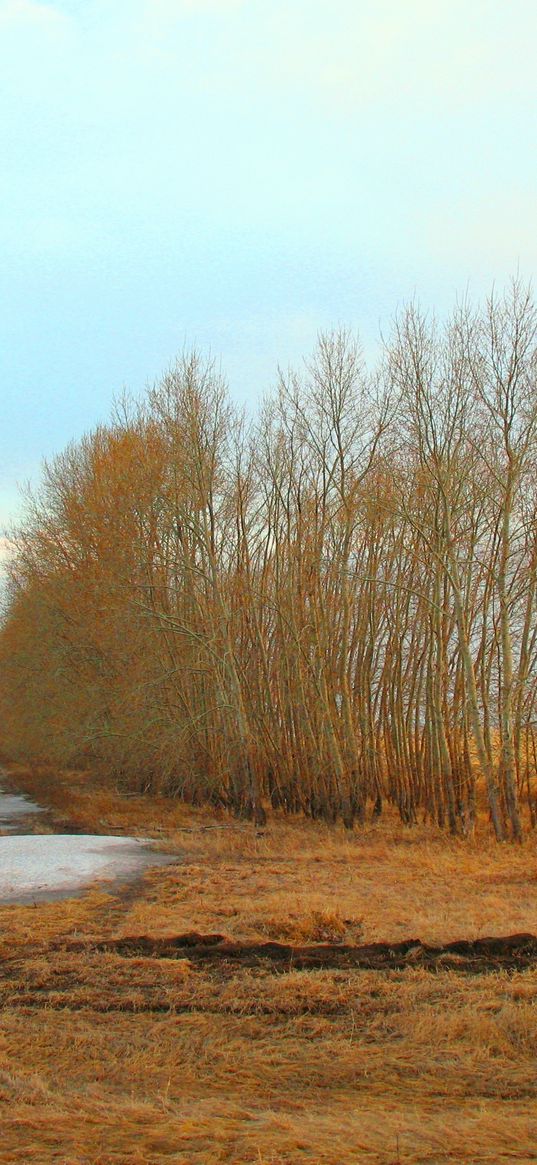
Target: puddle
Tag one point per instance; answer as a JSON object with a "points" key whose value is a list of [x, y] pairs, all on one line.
{"points": [[14, 809]]}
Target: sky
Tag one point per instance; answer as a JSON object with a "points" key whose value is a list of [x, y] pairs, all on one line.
{"points": [[238, 175]]}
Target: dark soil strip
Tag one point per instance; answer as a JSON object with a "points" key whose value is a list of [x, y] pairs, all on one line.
{"points": [[515, 952]]}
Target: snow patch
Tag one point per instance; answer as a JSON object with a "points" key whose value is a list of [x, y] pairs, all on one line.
{"points": [[47, 866]]}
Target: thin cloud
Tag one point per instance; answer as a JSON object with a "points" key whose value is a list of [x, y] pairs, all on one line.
{"points": [[446, 55], [30, 12]]}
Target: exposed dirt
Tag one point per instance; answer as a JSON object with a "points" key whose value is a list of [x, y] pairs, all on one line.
{"points": [[478, 956]]}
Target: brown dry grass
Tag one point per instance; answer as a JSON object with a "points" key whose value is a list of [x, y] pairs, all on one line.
{"points": [[110, 1060]]}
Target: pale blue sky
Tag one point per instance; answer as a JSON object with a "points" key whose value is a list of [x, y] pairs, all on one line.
{"points": [[239, 174]]}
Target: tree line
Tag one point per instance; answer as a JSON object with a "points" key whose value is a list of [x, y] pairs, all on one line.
{"points": [[324, 608]]}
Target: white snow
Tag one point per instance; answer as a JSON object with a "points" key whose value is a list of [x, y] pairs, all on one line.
{"points": [[46, 866]]}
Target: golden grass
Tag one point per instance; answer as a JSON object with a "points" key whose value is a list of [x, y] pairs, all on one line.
{"points": [[111, 1060]]}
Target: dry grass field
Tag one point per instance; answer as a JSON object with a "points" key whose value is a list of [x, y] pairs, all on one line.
{"points": [[112, 1057]]}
